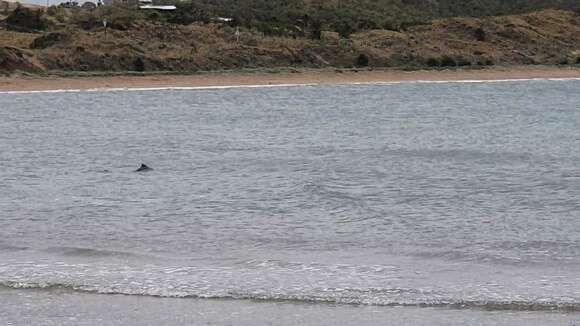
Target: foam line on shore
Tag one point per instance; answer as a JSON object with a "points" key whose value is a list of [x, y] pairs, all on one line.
{"points": [[462, 81], [145, 89], [370, 83]]}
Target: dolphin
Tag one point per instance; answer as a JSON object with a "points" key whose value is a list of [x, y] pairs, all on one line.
{"points": [[143, 168]]}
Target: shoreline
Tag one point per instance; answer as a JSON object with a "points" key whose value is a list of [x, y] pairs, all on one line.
{"points": [[283, 78]]}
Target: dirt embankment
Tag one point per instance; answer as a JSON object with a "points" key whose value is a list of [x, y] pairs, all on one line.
{"points": [[548, 37]]}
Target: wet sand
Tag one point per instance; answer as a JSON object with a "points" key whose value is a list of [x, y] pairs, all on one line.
{"points": [[32, 83]]}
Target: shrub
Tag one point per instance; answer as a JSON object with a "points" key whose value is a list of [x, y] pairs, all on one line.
{"points": [[48, 40], [69, 4], [86, 20], [447, 61], [316, 30], [187, 13], [26, 19], [362, 60], [89, 6], [59, 14], [344, 27], [124, 19], [120, 17], [479, 34], [139, 65], [461, 62], [433, 62], [156, 16], [485, 62]]}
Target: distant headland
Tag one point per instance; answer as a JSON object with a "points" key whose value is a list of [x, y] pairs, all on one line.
{"points": [[188, 37]]}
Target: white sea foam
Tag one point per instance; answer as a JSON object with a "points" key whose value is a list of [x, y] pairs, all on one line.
{"points": [[144, 89], [462, 81], [188, 88]]}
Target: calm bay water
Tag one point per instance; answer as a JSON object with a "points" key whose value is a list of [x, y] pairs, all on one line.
{"points": [[441, 201]]}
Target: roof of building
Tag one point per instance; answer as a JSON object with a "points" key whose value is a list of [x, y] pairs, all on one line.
{"points": [[157, 7]]}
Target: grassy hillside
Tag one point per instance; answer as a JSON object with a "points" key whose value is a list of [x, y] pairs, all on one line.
{"points": [[73, 40]]}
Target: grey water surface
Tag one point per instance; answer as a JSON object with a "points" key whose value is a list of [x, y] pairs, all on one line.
{"points": [[408, 204]]}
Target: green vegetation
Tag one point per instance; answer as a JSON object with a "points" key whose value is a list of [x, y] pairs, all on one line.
{"points": [[120, 17], [298, 18], [482, 8], [209, 35], [308, 17], [26, 19]]}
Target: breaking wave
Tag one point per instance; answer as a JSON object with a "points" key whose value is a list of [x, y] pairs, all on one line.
{"points": [[388, 297]]}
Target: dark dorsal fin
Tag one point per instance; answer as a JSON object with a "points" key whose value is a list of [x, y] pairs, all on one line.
{"points": [[143, 167]]}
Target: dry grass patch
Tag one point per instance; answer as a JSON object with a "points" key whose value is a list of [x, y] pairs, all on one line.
{"points": [[17, 39], [284, 42]]}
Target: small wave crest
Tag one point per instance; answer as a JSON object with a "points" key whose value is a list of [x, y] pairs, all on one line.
{"points": [[11, 248], [90, 252], [345, 296]]}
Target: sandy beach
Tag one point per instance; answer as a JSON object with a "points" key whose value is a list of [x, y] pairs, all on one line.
{"points": [[33, 83]]}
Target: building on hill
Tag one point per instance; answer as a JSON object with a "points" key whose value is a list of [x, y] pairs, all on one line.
{"points": [[148, 5]]}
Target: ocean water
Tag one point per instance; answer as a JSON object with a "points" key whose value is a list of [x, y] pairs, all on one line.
{"points": [[402, 204]]}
